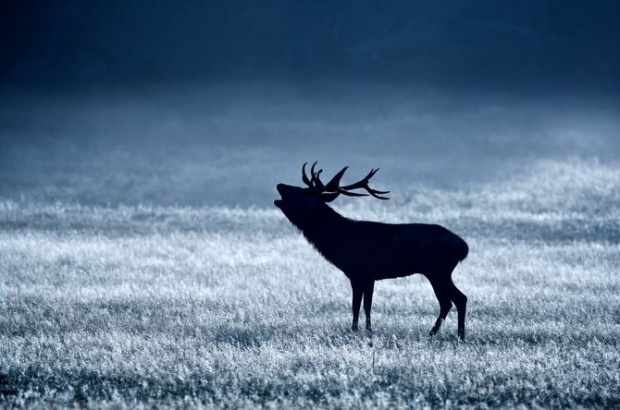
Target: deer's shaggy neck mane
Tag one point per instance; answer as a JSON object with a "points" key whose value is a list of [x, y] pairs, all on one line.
{"points": [[324, 227]]}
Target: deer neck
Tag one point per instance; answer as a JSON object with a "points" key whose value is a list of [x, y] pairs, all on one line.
{"points": [[324, 228]]}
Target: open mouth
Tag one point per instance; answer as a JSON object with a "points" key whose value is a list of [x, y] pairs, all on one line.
{"points": [[278, 202]]}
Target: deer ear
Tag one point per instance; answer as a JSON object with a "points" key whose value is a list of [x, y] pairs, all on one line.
{"points": [[329, 197]]}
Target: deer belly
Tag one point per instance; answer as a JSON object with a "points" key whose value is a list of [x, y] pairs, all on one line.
{"points": [[398, 265], [386, 266], [392, 275]]}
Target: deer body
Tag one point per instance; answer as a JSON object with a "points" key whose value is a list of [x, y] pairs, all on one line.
{"points": [[369, 251]]}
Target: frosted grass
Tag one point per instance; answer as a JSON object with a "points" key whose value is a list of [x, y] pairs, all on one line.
{"points": [[172, 306]]}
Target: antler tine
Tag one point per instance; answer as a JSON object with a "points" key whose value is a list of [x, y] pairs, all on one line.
{"points": [[334, 183], [304, 177], [312, 168], [347, 193], [316, 178], [377, 194]]}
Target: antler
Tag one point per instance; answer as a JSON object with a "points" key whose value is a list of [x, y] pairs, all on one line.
{"points": [[363, 184], [315, 181], [333, 186]]}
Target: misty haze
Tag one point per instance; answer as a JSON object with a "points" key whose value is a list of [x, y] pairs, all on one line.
{"points": [[143, 263]]}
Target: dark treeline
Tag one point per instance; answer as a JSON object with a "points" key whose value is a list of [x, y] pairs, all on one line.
{"points": [[562, 41]]}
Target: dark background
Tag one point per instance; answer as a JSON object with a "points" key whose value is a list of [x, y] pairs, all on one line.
{"points": [[486, 43], [215, 102]]}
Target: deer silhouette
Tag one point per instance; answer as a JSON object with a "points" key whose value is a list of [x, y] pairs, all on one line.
{"points": [[369, 251]]}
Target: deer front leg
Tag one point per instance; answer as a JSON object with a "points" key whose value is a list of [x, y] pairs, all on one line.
{"points": [[358, 292], [368, 291]]}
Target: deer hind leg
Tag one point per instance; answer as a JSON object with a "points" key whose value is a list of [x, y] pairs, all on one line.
{"points": [[460, 301], [368, 291], [358, 292], [445, 304]]}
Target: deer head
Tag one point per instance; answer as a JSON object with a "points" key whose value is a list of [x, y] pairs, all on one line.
{"points": [[298, 203]]}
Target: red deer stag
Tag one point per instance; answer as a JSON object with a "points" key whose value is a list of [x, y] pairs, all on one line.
{"points": [[370, 251]]}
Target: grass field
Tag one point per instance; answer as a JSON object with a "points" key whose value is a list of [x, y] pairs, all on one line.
{"points": [[127, 306], [157, 304]]}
